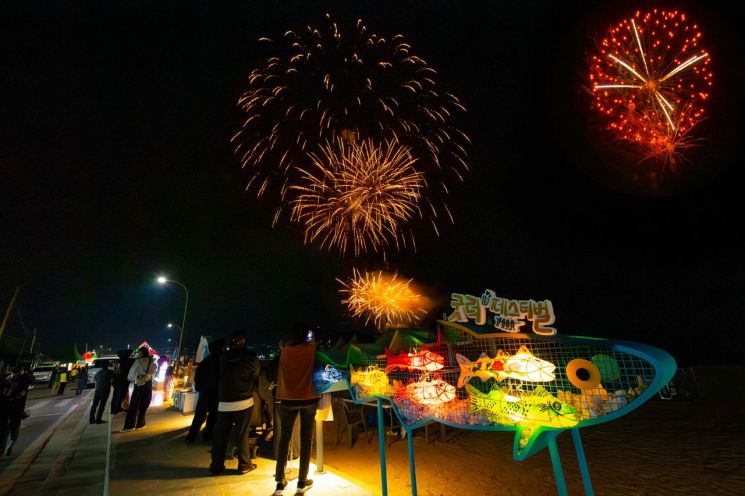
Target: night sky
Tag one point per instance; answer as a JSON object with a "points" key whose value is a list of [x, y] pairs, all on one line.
{"points": [[116, 167]]}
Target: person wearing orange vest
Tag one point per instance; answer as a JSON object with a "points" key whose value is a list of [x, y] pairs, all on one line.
{"points": [[297, 397]]}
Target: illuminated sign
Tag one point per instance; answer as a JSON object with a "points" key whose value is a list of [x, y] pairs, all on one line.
{"points": [[506, 315]]}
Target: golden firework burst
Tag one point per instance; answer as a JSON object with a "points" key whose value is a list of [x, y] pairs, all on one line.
{"points": [[321, 81], [358, 195], [382, 298]]}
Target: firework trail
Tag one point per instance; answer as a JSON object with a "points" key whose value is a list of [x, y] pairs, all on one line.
{"points": [[651, 80], [383, 298], [329, 81], [358, 194]]}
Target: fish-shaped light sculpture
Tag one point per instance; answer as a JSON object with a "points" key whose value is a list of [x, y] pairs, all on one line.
{"points": [[369, 381], [432, 392], [523, 366], [540, 385], [536, 408], [324, 378], [423, 361]]}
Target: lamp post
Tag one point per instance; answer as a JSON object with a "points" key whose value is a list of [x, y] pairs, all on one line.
{"points": [[171, 326], [162, 280]]}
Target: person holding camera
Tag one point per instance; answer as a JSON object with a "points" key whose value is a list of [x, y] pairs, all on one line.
{"points": [[296, 397], [141, 374]]}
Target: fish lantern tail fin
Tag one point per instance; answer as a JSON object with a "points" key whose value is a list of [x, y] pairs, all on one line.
{"points": [[465, 369]]}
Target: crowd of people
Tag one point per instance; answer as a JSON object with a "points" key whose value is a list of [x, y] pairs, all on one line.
{"points": [[15, 384], [234, 396], [232, 393]]}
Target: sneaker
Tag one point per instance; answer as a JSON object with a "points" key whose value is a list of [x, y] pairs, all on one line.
{"points": [[92, 421], [141, 427], [280, 488], [303, 486], [126, 430], [244, 469], [100, 421]]}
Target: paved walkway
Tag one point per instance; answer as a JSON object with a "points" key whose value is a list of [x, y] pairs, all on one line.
{"points": [[70, 459], [157, 461]]}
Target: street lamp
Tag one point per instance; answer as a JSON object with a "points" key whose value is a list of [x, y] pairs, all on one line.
{"points": [[171, 326], [162, 280]]}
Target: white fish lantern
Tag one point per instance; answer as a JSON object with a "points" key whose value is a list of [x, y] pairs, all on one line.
{"points": [[525, 366], [432, 392]]}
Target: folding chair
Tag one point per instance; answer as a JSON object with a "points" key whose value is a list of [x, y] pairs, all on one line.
{"points": [[348, 416]]}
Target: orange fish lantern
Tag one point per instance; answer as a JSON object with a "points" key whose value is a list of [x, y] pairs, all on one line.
{"points": [[424, 361]]}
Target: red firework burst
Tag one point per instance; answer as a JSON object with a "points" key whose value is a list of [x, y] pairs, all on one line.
{"points": [[650, 80]]}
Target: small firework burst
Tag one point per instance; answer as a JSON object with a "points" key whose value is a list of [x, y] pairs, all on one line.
{"points": [[358, 195], [650, 80], [382, 298], [333, 80]]}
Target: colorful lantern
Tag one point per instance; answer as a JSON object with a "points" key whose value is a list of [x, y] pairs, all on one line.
{"points": [[537, 408], [484, 368], [370, 381], [523, 365], [325, 377], [425, 361], [431, 392]]}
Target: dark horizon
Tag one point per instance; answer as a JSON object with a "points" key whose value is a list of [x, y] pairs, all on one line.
{"points": [[117, 167]]}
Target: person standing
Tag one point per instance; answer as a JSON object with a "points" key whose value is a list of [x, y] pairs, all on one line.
{"points": [[168, 385], [4, 407], [103, 380], [19, 385], [62, 381], [239, 370], [296, 397], [207, 383], [82, 380], [141, 374], [53, 379], [120, 380]]}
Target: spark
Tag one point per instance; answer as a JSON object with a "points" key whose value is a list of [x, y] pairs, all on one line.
{"points": [[358, 195], [319, 82], [664, 103], [382, 298]]}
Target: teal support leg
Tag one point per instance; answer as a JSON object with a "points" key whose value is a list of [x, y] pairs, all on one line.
{"points": [[412, 468], [381, 445], [582, 462], [561, 485]]}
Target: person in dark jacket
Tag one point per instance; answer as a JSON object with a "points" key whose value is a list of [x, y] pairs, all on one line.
{"points": [[239, 370], [120, 381], [82, 380], [52, 377], [19, 386], [5, 378], [103, 380], [207, 382]]}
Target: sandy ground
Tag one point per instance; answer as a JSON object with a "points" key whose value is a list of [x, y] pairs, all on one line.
{"points": [[664, 447]]}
